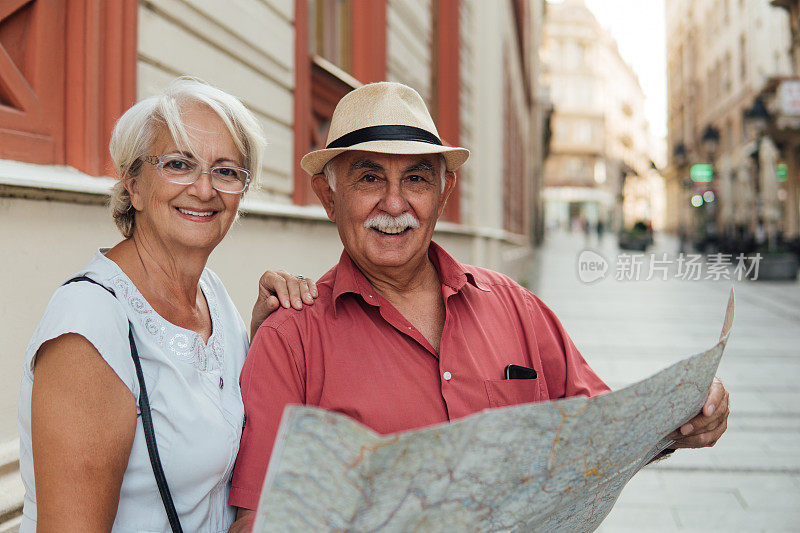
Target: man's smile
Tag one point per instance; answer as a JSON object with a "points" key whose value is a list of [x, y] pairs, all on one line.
{"points": [[392, 225], [391, 230]]}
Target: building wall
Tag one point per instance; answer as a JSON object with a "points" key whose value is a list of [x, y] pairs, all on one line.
{"points": [[517, 152], [540, 121], [485, 106], [194, 37], [792, 221], [409, 44], [719, 57], [467, 70]]}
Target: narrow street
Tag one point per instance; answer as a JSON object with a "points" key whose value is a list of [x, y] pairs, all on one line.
{"points": [[628, 330]]}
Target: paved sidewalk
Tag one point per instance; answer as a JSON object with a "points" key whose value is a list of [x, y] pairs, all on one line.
{"points": [[627, 330]]}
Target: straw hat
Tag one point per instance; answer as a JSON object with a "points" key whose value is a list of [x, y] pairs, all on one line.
{"points": [[385, 117]]}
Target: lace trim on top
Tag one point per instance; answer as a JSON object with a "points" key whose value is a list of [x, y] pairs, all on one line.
{"points": [[183, 344]]}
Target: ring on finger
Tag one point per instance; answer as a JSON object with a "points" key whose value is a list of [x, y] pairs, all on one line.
{"points": [[299, 276]]}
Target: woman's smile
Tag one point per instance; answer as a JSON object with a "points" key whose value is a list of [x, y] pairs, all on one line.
{"points": [[197, 214]]}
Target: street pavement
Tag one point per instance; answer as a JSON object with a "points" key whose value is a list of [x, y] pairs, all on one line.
{"points": [[628, 330]]}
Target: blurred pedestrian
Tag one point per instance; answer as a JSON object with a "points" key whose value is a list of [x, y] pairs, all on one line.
{"points": [[585, 228]]}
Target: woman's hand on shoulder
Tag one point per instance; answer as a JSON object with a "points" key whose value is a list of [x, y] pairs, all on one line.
{"points": [[83, 421], [280, 289]]}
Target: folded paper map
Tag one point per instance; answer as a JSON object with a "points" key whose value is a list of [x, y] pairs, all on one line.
{"points": [[549, 466]]}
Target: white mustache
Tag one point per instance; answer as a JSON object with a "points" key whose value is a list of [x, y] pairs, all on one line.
{"points": [[384, 221]]}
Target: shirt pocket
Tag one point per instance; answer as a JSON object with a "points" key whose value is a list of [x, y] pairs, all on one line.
{"points": [[505, 392]]}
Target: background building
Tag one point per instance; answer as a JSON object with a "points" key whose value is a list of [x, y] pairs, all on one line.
{"points": [[69, 69], [720, 57], [783, 125], [600, 139], [540, 120]]}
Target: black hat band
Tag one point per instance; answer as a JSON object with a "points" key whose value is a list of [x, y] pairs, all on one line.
{"points": [[385, 133]]}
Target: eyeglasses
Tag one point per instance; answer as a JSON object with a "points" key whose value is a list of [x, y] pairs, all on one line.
{"points": [[185, 171]]}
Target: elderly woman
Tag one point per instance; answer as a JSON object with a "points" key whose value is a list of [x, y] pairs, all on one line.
{"points": [[184, 158]]}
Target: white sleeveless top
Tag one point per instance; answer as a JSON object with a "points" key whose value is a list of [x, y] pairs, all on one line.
{"points": [[193, 388]]}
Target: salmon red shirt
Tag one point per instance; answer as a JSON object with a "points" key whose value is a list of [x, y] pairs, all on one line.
{"points": [[354, 353]]}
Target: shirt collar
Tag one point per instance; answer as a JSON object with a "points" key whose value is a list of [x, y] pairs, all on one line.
{"points": [[452, 273], [349, 279]]}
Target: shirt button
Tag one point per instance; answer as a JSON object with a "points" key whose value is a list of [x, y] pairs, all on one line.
{"points": [[447, 376]]}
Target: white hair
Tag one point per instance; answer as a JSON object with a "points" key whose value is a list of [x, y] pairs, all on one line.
{"points": [[330, 173], [136, 130]]}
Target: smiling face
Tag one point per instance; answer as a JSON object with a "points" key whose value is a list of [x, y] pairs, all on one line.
{"points": [[385, 206], [191, 217]]}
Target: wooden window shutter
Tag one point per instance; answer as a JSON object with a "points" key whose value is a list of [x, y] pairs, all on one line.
{"points": [[32, 80], [361, 54], [67, 72]]}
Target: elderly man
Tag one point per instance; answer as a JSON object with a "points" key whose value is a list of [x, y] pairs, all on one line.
{"points": [[403, 335]]}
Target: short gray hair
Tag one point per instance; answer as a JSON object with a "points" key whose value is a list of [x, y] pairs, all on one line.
{"points": [[330, 173], [135, 132]]}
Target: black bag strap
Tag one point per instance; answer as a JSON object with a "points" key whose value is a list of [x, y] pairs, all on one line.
{"points": [[147, 423]]}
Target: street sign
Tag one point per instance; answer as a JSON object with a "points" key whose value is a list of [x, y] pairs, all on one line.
{"points": [[781, 171], [789, 97], [703, 173]]}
